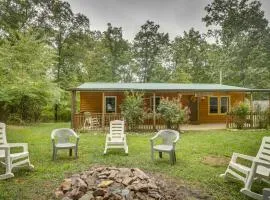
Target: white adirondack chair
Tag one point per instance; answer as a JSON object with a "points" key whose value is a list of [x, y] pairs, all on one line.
{"points": [[260, 168], [12, 160], [116, 138]]}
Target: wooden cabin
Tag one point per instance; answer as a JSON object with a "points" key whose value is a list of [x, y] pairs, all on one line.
{"points": [[208, 103]]}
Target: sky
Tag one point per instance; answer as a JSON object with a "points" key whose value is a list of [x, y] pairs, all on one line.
{"points": [[173, 16]]}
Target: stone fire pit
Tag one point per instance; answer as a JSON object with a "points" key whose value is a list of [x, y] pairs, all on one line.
{"points": [[110, 183]]}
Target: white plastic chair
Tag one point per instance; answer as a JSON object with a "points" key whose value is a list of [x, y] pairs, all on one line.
{"points": [[169, 138], [260, 168], [12, 160], [116, 138], [61, 140]]}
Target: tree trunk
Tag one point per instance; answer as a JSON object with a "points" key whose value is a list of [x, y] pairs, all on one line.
{"points": [[56, 112], [169, 125]]}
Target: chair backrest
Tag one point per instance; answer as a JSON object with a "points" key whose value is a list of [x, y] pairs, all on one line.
{"points": [[168, 136], [87, 115], [62, 134], [264, 151], [3, 137], [117, 128]]}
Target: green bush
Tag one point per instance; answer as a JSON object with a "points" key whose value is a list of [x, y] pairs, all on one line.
{"points": [[132, 109], [240, 112], [172, 113]]}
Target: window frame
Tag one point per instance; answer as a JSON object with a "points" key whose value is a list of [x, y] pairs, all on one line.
{"points": [[209, 113], [152, 103], [229, 105], [219, 105], [115, 106]]}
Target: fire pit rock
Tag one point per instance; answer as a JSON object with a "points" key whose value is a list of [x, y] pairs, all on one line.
{"points": [[110, 183]]}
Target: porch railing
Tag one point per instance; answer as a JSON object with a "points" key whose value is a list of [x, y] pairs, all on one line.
{"points": [[251, 120], [98, 123]]}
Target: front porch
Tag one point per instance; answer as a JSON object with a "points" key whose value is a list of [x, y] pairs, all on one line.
{"points": [[101, 121], [80, 123]]}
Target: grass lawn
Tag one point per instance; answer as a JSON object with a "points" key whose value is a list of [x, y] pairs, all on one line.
{"points": [[191, 149]]}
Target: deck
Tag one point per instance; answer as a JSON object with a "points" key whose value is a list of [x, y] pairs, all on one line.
{"points": [[99, 122]]}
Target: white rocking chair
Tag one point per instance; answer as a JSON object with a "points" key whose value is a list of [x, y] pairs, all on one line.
{"points": [[260, 168], [116, 138], [12, 160], [90, 122]]}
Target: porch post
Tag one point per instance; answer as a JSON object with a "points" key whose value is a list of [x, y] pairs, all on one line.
{"points": [[73, 108], [154, 110], [251, 109], [103, 111], [198, 109]]}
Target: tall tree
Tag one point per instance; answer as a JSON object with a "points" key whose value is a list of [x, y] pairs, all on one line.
{"points": [[236, 18], [118, 50], [148, 45], [26, 85], [242, 29], [190, 58], [16, 15], [67, 36]]}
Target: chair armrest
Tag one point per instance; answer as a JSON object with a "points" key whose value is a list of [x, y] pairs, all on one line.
{"points": [[4, 147], [23, 145], [53, 141], [52, 134], [238, 155], [74, 133], [155, 137], [176, 139], [266, 193]]}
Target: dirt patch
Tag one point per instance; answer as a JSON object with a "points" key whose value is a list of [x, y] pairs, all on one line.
{"points": [[111, 183], [216, 161], [181, 189]]}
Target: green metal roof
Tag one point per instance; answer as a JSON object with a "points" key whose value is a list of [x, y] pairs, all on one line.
{"points": [[97, 86]]}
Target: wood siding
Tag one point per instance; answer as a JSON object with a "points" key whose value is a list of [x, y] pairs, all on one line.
{"points": [[205, 117], [92, 102]]}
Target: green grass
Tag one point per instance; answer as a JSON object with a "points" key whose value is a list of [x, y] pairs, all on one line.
{"points": [[191, 149]]}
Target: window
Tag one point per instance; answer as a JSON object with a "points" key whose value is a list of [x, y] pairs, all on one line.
{"points": [[224, 104], [157, 103], [213, 105], [219, 105], [110, 103]]}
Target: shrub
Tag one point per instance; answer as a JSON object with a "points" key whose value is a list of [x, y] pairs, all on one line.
{"points": [[241, 112], [172, 113], [132, 109]]}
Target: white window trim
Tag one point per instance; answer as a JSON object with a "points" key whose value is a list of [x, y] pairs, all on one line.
{"points": [[115, 106]]}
